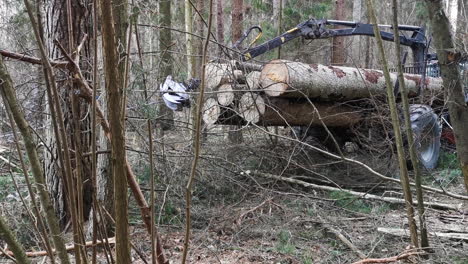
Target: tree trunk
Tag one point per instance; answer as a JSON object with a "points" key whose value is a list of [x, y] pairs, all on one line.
{"points": [[451, 8], [58, 29], [234, 133], [189, 39], [338, 47], [165, 46], [198, 49], [296, 79], [220, 25], [237, 19], [114, 89], [105, 180], [357, 41], [448, 60]]}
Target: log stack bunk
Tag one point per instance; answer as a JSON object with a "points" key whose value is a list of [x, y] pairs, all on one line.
{"points": [[286, 93]]}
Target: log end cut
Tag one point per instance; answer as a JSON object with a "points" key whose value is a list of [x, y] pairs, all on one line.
{"points": [[251, 107], [253, 80], [211, 111], [225, 94], [274, 78]]}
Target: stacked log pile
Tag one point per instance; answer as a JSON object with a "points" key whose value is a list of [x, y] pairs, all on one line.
{"points": [[285, 93]]}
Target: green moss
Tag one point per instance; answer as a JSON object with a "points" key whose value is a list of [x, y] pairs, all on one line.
{"points": [[350, 202]]}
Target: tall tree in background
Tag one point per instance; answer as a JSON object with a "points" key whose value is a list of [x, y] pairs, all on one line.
{"points": [[198, 42], [356, 46], [338, 47], [105, 179], [165, 44], [449, 58], [220, 25], [237, 17], [189, 39], [115, 90]]}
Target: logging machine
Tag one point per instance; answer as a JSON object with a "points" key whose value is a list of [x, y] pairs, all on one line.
{"points": [[317, 29], [425, 123]]}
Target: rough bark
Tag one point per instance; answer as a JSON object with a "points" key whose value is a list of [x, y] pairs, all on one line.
{"points": [[338, 47], [448, 60], [58, 29], [234, 133], [165, 45], [357, 41], [114, 91], [220, 25], [296, 79], [105, 181], [237, 17]]}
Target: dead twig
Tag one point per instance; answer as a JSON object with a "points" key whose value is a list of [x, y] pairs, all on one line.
{"points": [[343, 239], [239, 220], [33, 254], [30, 59], [404, 255], [442, 206], [403, 233]]}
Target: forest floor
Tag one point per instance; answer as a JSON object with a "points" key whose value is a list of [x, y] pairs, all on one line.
{"points": [[296, 226], [238, 217]]}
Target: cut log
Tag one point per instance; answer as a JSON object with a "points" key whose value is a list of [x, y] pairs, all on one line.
{"points": [[221, 73], [215, 114], [296, 79], [211, 111], [284, 112], [251, 107], [229, 93], [239, 76], [225, 94], [252, 79], [246, 66]]}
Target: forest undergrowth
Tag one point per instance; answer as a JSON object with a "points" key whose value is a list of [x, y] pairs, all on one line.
{"points": [[240, 217]]}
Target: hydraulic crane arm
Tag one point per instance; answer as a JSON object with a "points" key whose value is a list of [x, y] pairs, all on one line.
{"points": [[317, 29]]}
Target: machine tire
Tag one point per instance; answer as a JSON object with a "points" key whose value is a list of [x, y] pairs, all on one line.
{"points": [[426, 131]]}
